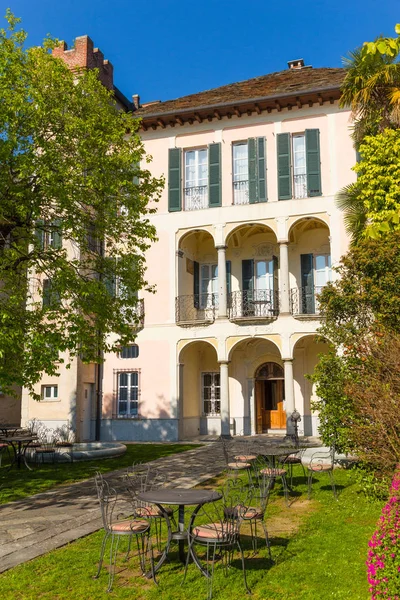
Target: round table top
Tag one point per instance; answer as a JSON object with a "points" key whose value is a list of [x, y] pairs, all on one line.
{"points": [[180, 496], [279, 451]]}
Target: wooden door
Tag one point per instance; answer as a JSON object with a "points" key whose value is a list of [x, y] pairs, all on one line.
{"points": [[269, 405]]}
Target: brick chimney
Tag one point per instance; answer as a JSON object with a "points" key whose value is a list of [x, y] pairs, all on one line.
{"points": [[84, 56]]}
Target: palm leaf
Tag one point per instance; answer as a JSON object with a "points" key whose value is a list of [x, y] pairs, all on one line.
{"points": [[355, 214]]}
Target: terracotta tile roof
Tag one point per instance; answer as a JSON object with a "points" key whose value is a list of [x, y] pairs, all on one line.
{"points": [[289, 82]]}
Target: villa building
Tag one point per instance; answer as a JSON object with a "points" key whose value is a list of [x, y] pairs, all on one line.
{"points": [[248, 233]]}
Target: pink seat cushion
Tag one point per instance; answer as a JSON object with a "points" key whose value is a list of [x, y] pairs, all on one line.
{"points": [[317, 467], [3, 446], [130, 526], [245, 457], [254, 513], [212, 531], [239, 465], [273, 472], [152, 511]]}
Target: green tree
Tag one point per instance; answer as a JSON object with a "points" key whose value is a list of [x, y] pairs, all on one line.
{"points": [[358, 377], [74, 209], [371, 89]]}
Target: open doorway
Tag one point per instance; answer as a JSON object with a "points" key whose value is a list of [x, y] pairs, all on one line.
{"points": [[270, 394]]}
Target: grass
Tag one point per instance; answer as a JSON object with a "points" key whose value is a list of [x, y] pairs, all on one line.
{"points": [[318, 547], [19, 483]]}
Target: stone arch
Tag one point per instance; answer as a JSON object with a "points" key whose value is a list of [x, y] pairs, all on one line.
{"points": [[301, 224]]}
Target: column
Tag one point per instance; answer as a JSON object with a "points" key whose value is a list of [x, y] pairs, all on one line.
{"points": [[180, 401], [289, 392], [224, 391], [222, 300], [284, 277]]}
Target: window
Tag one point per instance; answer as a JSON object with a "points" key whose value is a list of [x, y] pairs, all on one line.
{"points": [[49, 234], [49, 392], [196, 179], [259, 288], [299, 166], [51, 297], [131, 351], [211, 394], [240, 159], [249, 171], [315, 274], [128, 394], [208, 286]]}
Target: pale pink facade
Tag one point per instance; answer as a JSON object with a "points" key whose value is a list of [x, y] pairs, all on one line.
{"points": [[216, 357]]}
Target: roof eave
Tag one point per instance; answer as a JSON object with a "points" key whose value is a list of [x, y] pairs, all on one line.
{"points": [[292, 94]]}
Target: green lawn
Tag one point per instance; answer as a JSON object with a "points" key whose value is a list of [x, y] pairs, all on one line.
{"points": [[16, 484], [319, 549]]}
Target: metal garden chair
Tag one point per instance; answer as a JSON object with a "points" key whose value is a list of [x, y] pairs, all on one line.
{"points": [[115, 529], [218, 531], [322, 462], [271, 472], [142, 478], [233, 464]]}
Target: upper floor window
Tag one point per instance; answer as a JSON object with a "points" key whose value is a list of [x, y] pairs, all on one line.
{"points": [[249, 171], [48, 234], [196, 179], [50, 297], [131, 351], [240, 160], [49, 392], [299, 165]]}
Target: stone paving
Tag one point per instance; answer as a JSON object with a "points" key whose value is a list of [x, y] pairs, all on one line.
{"points": [[40, 523]]}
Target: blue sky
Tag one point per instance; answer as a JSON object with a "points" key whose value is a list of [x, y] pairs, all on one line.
{"points": [[166, 49]]}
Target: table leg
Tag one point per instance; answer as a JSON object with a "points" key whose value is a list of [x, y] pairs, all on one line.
{"points": [[181, 527], [164, 555]]}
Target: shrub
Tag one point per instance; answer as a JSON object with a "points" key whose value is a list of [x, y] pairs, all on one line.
{"points": [[383, 563]]}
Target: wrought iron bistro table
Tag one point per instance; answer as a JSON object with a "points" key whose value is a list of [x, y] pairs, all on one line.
{"points": [[181, 497], [19, 444], [274, 452]]}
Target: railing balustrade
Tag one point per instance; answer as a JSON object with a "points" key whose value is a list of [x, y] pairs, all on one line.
{"points": [[241, 192], [254, 304], [304, 300], [196, 197], [195, 308], [300, 186]]}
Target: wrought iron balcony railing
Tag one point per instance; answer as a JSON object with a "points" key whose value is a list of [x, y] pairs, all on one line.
{"points": [[304, 300], [241, 192], [138, 311], [196, 197], [196, 308], [300, 186], [255, 304]]}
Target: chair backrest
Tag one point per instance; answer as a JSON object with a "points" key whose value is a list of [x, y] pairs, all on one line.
{"points": [[107, 498], [323, 457]]}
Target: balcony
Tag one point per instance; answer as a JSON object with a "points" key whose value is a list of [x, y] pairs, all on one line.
{"points": [[256, 305], [195, 309], [241, 192], [139, 314], [304, 301], [196, 197], [300, 186]]}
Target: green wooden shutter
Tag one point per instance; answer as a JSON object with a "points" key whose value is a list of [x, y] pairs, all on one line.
{"points": [[313, 163], [39, 233], [284, 167], [252, 166], [228, 282], [110, 280], [261, 170], [196, 284], [56, 241], [46, 298], [214, 175], [275, 299], [307, 303], [174, 180], [247, 275]]}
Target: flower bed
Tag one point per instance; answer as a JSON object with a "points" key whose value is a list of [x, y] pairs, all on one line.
{"points": [[383, 563]]}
